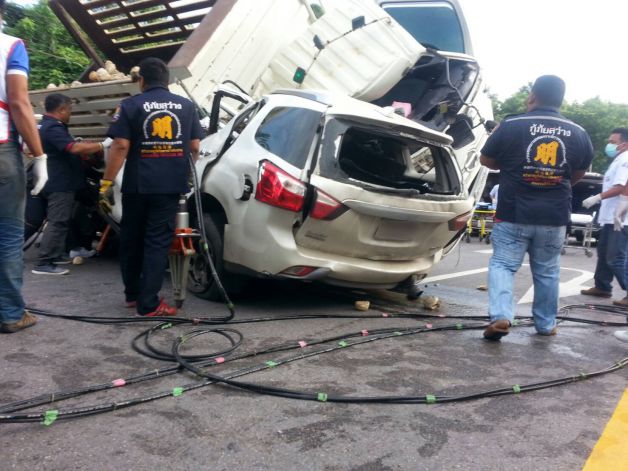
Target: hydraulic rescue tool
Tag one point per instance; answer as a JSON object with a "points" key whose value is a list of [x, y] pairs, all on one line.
{"points": [[181, 252], [183, 247]]}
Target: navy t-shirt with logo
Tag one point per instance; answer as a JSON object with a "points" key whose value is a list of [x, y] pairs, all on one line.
{"points": [[65, 172], [537, 153], [159, 126]]}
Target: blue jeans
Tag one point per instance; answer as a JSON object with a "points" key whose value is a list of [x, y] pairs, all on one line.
{"points": [[611, 255], [510, 244], [12, 201]]}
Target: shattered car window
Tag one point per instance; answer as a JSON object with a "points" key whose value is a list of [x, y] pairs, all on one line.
{"points": [[288, 133], [389, 160]]}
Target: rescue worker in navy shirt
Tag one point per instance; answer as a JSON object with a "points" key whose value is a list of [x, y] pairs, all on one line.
{"points": [[154, 132], [540, 155], [65, 179]]}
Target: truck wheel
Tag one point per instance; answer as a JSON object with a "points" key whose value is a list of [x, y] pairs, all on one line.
{"points": [[200, 280]]}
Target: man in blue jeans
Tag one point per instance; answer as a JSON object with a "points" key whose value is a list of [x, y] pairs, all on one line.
{"points": [[16, 118], [540, 155]]}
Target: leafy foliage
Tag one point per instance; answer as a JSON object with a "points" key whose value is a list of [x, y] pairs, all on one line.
{"points": [[54, 56], [598, 117]]}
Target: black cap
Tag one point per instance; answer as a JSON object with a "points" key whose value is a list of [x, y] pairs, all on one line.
{"points": [[549, 90]]}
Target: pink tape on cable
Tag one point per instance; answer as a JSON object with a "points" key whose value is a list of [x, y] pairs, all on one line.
{"points": [[428, 326], [220, 360], [442, 315], [384, 314], [302, 343], [117, 383], [365, 333]]}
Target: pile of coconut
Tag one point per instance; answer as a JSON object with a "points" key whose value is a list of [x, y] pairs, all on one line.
{"points": [[108, 73]]}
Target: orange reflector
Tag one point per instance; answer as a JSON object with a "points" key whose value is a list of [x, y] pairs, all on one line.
{"points": [[459, 222]]}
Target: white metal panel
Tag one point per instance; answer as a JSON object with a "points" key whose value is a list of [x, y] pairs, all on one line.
{"points": [[244, 43], [364, 63]]}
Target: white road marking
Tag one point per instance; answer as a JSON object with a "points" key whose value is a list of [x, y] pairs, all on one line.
{"points": [[447, 276], [569, 288], [489, 251]]}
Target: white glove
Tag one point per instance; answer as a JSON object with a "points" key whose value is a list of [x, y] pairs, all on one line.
{"points": [[620, 212], [106, 144], [40, 173], [592, 201]]}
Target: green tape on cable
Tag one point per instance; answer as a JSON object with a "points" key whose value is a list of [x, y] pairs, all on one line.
{"points": [[459, 326], [397, 333], [50, 416], [430, 399], [177, 391], [166, 326], [516, 388], [583, 376], [343, 343], [322, 397], [270, 364], [514, 322]]}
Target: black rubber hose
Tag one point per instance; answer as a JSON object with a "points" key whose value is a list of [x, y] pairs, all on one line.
{"points": [[205, 247]]}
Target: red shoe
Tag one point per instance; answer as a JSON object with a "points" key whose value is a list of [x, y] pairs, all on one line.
{"points": [[162, 310]]}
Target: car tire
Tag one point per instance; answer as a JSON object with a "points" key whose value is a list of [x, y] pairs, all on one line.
{"points": [[200, 280]]}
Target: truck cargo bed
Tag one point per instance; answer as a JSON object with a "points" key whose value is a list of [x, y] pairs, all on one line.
{"points": [[94, 105]]}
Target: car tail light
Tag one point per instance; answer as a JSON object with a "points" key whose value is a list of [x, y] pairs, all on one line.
{"points": [[326, 207], [459, 222], [298, 271], [276, 188]]}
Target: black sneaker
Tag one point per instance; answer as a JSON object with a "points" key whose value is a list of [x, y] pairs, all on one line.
{"points": [[49, 269], [62, 260]]}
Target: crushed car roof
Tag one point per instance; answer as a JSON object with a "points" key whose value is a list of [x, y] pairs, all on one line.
{"points": [[342, 105]]}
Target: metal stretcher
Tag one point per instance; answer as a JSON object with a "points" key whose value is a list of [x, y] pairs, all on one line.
{"points": [[481, 223], [585, 224]]}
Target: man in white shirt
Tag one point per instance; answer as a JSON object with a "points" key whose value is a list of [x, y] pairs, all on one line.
{"points": [[612, 244], [494, 194], [16, 119], [620, 215]]}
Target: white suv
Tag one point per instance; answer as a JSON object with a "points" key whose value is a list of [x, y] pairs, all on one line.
{"points": [[305, 185]]}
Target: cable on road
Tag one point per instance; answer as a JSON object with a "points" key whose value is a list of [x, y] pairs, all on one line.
{"points": [[200, 364]]}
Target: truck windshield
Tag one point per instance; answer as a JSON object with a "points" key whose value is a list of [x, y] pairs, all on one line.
{"points": [[433, 24]]}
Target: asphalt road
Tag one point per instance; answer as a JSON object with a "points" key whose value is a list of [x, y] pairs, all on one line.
{"points": [[221, 428]]}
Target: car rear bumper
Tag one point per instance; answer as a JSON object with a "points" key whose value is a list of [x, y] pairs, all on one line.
{"points": [[273, 254]]}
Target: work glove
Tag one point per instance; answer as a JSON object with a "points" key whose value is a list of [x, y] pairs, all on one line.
{"points": [[106, 144], [592, 201], [40, 173], [105, 196], [620, 213]]}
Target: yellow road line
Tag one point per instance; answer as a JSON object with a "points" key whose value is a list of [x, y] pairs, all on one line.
{"points": [[611, 450]]}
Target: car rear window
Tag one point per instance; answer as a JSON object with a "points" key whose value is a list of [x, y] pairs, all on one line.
{"points": [[288, 133], [433, 24], [394, 162]]}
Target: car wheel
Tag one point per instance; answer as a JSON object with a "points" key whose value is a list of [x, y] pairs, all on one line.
{"points": [[200, 280]]}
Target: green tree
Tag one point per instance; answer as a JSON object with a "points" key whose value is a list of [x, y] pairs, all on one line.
{"points": [[599, 118], [54, 56], [514, 104]]}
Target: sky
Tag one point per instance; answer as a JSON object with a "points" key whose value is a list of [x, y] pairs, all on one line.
{"points": [[583, 42]]}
